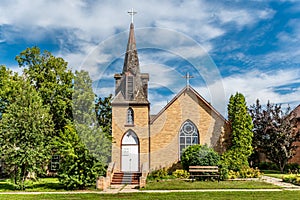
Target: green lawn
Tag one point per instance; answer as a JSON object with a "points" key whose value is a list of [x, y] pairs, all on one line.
{"points": [[43, 184], [186, 185], [273, 173], [290, 195]]}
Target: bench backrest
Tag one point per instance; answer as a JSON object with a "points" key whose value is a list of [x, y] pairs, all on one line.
{"points": [[203, 168]]}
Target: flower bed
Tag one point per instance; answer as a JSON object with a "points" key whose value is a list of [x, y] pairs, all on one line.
{"points": [[292, 178]]}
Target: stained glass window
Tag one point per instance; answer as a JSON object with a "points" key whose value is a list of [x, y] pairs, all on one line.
{"points": [[188, 135]]}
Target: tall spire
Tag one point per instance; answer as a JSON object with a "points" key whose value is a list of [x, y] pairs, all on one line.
{"points": [[131, 84], [131, 61]]}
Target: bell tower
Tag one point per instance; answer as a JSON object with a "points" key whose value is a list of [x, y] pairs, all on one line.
{"points": [[130, 113]]}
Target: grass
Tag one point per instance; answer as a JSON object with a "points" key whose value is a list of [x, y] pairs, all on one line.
{"points": [[273, 173], [188, 185], [291, 195], [41, 185]]}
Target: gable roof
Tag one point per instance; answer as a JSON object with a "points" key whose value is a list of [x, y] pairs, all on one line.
{"points": [[184, 90], [296, 112]]}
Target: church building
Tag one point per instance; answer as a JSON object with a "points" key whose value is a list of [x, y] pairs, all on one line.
{"points": [[144, 142]]}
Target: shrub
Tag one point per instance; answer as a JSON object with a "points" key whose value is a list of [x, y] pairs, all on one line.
{"points": [[224, 172], [292, 178], [267, 166], [234, 160], [180, 173], [199, 155], [233, 175], [158, 174], [245, 172], [292, 168]]}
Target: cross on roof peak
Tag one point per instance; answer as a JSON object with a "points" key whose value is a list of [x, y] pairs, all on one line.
{"points": [[188, 77], [132, 12]]}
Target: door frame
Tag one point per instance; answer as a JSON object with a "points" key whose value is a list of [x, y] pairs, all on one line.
{"points": [[136, 144]]}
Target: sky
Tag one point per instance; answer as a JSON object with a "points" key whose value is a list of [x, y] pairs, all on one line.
{"points": [[251, 47]]}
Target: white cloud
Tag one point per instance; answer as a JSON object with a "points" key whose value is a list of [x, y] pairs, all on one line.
{"points": [[259, 85], [243, 17], [86, 32]]}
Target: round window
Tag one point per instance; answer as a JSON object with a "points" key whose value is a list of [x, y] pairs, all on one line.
{"points": [[188, 128]]}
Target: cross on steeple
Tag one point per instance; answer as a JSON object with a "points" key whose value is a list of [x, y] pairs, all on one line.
{"points": [[188, 77], [132, 12]]}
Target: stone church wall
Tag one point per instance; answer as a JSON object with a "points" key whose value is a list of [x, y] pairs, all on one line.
{"points": [[140, 127], [165, 129]]}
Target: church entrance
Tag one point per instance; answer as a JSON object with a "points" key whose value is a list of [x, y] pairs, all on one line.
{"points": [[130, 152]]}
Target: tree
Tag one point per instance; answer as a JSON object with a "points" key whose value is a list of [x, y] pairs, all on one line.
{"points": [[200, 155], [274, 133], [241, 125], [96, 138], [51, 78], [25, 132], [9, 84], [78, 168], [104, 113]]}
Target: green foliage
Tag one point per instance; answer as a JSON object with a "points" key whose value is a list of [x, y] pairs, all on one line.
{"points": [[199, 155], [245, 172], [51, 78], [158, 174], [180, 173], [78, 169], [292, 168], [224, 172], [37, 110], [234, 160], [104, 113], [267, 166], [10, 84], [241, 124], [96, 139], [292, 178], [274, 133], [25, 132]]}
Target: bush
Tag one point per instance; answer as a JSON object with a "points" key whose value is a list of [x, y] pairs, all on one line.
{"points": [[267, 166], [292, 178], [78, 169], [158, 174], [234, 160], [245, 172], [292, 168], [224, 172], [199, 155], [180, 173]]}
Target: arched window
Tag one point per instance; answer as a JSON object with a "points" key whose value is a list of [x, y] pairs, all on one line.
{"points": [[188, 135], [130, 116]]}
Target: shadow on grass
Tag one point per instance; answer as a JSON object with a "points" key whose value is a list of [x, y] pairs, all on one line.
{"points": [[44, 184], [5, 185]]}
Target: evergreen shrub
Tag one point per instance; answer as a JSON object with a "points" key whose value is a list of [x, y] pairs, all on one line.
{"points": [[199, 155]]}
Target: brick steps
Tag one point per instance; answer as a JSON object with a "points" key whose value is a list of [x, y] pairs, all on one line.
{"points": [[125, 178]]}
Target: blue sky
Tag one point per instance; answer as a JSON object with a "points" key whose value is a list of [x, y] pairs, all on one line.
{"points": [[252, 47]]}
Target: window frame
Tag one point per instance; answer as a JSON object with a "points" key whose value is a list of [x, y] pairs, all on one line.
{"points": [[187, 134], [130, 116]]}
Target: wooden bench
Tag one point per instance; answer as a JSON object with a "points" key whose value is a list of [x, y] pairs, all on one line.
{"points": [[204, 171]]}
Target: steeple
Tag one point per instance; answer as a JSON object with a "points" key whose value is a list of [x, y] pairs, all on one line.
{"points": [[131, 84], [131, 61]]}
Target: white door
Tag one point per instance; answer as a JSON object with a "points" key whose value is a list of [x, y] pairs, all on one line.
{"points": [[130, 158], [130, 152]]}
